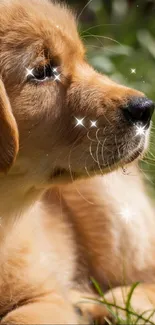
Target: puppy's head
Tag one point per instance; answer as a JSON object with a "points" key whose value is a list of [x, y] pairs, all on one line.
{"points": [[69, 117]]}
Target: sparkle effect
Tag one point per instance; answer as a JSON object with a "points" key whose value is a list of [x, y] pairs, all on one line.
{"points": [[133, 71], [93, 124], [29, 72], [57, 77], [127, 213], [55, 70], [140, 130], [79, 121]]}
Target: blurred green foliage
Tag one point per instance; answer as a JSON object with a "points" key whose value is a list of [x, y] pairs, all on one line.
{"points": [[120, 36]]}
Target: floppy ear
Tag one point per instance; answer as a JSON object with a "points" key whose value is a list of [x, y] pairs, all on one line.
{"points": [[9, 141]]}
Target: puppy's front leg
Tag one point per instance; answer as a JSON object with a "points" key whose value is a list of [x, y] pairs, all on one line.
{"points": [[52, 309]]}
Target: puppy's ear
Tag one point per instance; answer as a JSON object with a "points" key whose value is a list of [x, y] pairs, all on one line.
{"points": [[9, 141]]}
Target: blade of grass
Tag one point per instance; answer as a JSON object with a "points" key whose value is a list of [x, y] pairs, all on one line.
{"points": [[143, 313], [122, 309], [97, 287], [128, 301]]}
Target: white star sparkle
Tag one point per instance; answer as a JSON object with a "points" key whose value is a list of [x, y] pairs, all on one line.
{"points": [[93, 124], [57, 77], [79, 121], [55, 70], [29, 72], [133, 71], [126, 213], [140, 130]]}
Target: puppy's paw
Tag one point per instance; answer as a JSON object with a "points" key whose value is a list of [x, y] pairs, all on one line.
{"points": [[91, 308], [95, 313]]}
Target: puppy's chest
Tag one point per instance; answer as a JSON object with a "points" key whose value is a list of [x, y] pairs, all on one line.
{"points": [[31, 264]]}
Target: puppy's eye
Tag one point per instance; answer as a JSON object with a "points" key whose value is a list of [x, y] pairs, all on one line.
{"points": [[41, 73]]}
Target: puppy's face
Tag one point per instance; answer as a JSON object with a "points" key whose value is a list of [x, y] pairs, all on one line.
{"points": [[69, 117]]}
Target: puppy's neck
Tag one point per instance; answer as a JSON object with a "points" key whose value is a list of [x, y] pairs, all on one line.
{"points": [[17, 194]]}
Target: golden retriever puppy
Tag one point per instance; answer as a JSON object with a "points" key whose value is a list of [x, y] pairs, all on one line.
{"points": [[51, 102]]}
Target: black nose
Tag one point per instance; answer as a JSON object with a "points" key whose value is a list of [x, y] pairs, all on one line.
{"points": [[139, 110]]}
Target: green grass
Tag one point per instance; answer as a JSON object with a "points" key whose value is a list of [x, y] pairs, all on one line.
{"points": [[130, 316]]}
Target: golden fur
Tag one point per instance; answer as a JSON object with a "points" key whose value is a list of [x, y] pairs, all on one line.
{"points": [[52, 242]]}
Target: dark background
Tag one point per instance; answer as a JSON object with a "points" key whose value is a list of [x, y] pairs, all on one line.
{"points": [[120, 36]]}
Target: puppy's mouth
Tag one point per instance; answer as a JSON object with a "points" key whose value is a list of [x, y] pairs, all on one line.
{"points": [[122, 159], [65, 175], [132, 155], [136, 154]]}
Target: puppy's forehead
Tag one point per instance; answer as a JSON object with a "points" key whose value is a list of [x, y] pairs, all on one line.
{"points": [[32, 20]]}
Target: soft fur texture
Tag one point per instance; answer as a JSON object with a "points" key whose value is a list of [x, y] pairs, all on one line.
{"points": [[52, 242]]}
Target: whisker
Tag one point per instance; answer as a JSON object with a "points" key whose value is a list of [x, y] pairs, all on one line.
{"points": [[118, 150], [97, 156], [90, 150], [80, 14], [90, 137], [102, 151], [97, 150], [82, 196], [103, 48], [72, 178], [104, 37], [145, 175], [147, 163], [84, 38], [97, 136], [108, 120], [86, 30], [151, 153], [88, 171]]}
